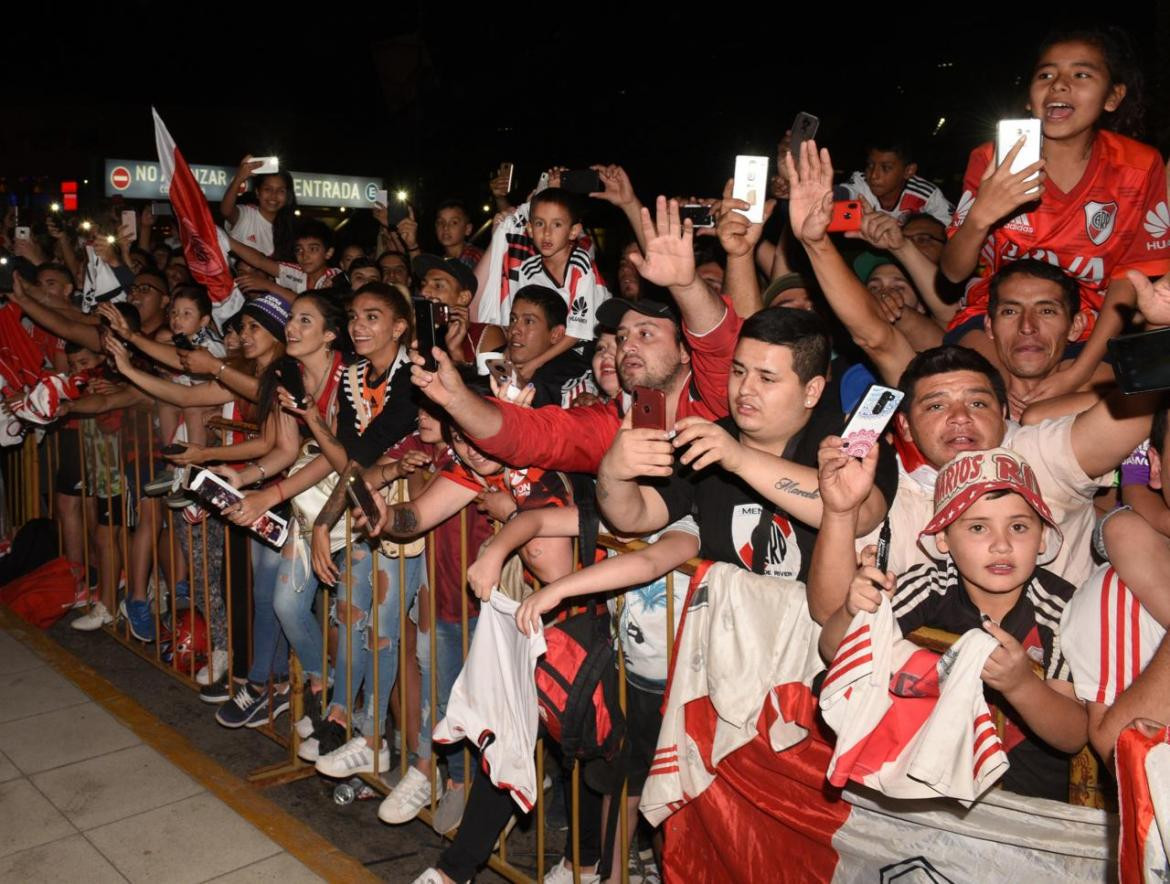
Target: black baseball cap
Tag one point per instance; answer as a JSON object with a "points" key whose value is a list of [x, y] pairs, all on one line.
{"points": [[611, 311], [456, 268]]}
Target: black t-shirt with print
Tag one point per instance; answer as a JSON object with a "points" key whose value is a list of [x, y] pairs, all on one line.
{"points": [[397, 419], [560, 380], [731, 514]]}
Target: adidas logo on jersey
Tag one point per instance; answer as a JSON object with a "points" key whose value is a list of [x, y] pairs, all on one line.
{"points": [[964, 207], [579, 308], [1020, 223], [1157, 221]]}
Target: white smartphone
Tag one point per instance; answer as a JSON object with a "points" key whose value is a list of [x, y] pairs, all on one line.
{"points": [[1008, 132], [271, 165], [23, 233], [751, 185], [381, 198], [130, 219], [869, 419], [507, 168]]}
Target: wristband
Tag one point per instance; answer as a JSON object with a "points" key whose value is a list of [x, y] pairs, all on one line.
{"points": [[260, 467], [222, 368]]}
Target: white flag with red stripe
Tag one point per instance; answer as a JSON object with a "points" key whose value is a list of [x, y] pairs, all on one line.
{"points": [[204, 244]]}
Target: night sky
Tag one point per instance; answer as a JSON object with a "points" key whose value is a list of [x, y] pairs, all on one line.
{"points": [[433, 100]]}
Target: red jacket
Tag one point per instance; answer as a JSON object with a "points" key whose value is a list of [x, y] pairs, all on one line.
{"points": [[575, 439]]}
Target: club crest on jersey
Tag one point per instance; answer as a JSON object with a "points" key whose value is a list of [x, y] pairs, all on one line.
{"points": [[783, 555], [1099, 218]]}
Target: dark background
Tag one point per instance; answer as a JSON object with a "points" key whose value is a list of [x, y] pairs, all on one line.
{"points": [[434, 98]]}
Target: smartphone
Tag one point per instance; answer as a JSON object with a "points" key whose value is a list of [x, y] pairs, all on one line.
{"points": [[699, 214], [649, 409], [426, 326], [751, 185], [271, 165], [23, 233], [130, 219], [500, 370], [1008, 132], [804, 128], [182, 342], [293, 382], [396, 211], [507, 169], [869, 419], [1139, 361], [846, 216], [359, 495], [174, 448], [161, 210], [382, 197], [583, 181]]}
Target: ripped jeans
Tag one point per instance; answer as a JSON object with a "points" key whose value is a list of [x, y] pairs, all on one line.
{"points": [[361, 664], [292, 599]]}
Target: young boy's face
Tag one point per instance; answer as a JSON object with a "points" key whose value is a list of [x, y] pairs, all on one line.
{"points": [[995, 543], [312, 255], [185, 318], [552, 229], [430, 430], [452, 227], [529, 334], [84, 360], [886, 173], [473, 457]]}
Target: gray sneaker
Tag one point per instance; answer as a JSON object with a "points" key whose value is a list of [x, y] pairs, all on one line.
{"points": [[449, 810]]}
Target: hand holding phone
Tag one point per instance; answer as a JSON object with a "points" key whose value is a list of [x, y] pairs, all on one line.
{"points": [[649, 409], [359, 494], [846, 216], [426, 329], [869, 419]]}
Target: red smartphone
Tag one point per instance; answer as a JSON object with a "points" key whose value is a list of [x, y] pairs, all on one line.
{"points": [[846, 216], [649, 409]]}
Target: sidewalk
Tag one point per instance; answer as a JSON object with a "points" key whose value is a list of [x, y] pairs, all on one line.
{"points": [[85, 797]]}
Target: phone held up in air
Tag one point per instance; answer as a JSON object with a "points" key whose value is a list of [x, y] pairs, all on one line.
{"points": [[359, 494], [869, 419], [130, 220], [582, 181], [804, 128], [751, 185], [649, 409], [846, 216], [429, 317], [506, 169], [699, 214], [270, 165], [1140, 361], [505, 377], [1008, 132]]}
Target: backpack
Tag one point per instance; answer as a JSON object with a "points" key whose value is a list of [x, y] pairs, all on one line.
{"points": [[577, 689], [42, 596]]}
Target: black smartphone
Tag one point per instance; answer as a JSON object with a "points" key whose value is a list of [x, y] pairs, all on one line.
{"points": [[804, 127], [292, 381], [359, 494], [182, 342], [174, 448], [428, 316], [161, 210], [699, 214], [1141, 362], [583, 181], [396, 211]]}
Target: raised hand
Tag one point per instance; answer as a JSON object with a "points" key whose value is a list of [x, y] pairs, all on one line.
{"points": [[1153, 298], [844, 481], [670, 253], [736, 233], [615, 184], [810, 197], [1001, 192], [115, 320], [408, 229]]}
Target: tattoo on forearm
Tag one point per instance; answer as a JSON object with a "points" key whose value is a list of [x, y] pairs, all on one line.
{"points": [[333, 508], [405, 521], [791, 486]]}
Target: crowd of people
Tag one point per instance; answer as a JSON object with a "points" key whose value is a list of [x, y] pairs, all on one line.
{"points": [[1017, 490]]}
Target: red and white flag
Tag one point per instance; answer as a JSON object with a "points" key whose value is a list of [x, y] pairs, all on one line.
{"points": [[1143, 783], [203, 245]]}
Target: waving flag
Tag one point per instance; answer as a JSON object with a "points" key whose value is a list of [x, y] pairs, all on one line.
{"points": [[202, 243]]}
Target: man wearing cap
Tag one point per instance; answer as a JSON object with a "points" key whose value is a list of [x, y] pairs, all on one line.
{"points": [[991, 532], [651, 352], [449, 281]]}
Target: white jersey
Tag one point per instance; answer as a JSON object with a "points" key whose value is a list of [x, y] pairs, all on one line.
{"points": [[493, 701], [918, 196], [253, 229], [731, 655], [909, 723], [1107, 637]]}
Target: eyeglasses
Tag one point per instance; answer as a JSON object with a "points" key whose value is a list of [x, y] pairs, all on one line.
{"points": [[143, 287]]}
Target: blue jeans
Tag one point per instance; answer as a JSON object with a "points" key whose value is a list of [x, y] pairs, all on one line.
{"points": [[296, 587], [449, 660], [269, 646], [386, 656]]}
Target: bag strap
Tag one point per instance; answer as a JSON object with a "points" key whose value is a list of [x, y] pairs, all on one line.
{"points": [[579, 703]]}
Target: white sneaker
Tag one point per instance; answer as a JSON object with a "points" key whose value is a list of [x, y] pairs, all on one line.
{"points": [[304, 728], [430, 876], [308, 750], [96, 618], [353, 758], [219, 665], [563, 874], [411, 795]]}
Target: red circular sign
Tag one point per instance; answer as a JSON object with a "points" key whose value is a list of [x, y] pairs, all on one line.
{"points": [[120, 177]]}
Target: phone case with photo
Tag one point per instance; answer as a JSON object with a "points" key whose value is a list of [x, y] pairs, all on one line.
{"points": [[869, 419]]}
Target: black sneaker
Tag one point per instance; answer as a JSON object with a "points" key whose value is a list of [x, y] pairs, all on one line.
{"points": [[330, 735], [279, 702], [247, 706], [220, 692]]}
